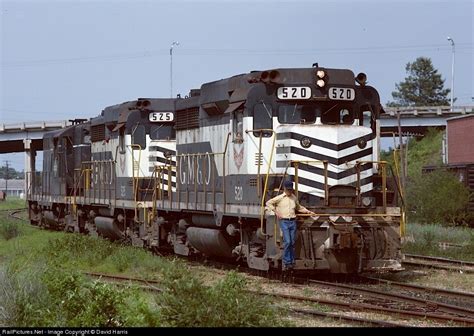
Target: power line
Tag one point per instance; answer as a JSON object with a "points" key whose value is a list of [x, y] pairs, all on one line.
{"points": [[236, 51]]}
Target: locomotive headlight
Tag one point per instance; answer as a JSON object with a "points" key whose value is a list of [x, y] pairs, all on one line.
{"points": [[305, 142], [362, 143], [366, 201], [320, 73], [320, 83]]}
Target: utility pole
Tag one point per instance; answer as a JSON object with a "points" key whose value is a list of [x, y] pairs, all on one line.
{"points": [[452, 70], [175, 43], [402, 159]]}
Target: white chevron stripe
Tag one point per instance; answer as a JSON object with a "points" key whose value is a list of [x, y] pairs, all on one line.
{"points": [[331, 167], [331, 181], [323, 150]]}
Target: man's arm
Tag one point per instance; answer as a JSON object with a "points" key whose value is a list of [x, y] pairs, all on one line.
{"points": [[302, 209], [272, 203]]}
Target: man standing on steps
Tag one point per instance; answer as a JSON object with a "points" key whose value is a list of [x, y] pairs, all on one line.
{"points": [[285, 207]]}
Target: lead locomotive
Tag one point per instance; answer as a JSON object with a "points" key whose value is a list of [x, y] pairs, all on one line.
{"points": [[193, 174]]}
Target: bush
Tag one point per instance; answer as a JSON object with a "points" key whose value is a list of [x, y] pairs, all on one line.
{"points": [[186, 302], [9, 229], [23, 299], [437, 197], [428, 239], [57, 297]]}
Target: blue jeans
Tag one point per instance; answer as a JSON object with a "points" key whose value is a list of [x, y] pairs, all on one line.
{"points": [[288, 227]]}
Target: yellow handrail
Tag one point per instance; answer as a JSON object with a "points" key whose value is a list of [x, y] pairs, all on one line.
{"points": [[135, 178], [262, 209]]}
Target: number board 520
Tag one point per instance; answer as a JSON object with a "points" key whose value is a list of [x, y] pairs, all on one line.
{"points": [[161, 116], [294, 92], [336, 93]]}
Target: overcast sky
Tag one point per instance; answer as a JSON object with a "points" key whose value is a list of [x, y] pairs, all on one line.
{"points": [[69, 59]]}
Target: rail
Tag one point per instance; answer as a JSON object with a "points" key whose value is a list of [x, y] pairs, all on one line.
{"points": [[101, 175], [326, 184]]}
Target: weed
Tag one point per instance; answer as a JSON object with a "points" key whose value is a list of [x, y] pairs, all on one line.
{"points": [[187, 302], [9, 229]]}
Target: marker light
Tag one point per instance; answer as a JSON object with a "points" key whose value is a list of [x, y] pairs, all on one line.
{"points": [[320, 83], [320, 73]]}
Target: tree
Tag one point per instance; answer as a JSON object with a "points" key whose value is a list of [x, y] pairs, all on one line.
{"points": [[10, 174], [423, 86]]}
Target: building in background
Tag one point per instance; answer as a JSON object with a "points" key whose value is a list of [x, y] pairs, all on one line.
{"points": [[14, 188], [460, 140], [458, 151]]}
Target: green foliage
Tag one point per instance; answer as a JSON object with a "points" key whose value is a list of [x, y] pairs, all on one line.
{"points": [[422, 87], [73, 249], [54, 297], [186, 302], [423, 152], [44, 286], [9, 229], [11, 173], [428, 239], [22, 298], [12, 203], [437, 197]]}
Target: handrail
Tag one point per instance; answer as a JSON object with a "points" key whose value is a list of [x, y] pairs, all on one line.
{"points": [[384, 180], [262, 209], [195, 156], [325, 164], [135, 179]]}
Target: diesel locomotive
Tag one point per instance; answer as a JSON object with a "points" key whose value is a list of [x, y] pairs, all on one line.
{"points": [[192, 174]]}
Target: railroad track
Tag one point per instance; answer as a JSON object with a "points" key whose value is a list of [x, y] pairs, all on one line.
{"points": [[151, 286], [431, 309], [14, 213], [439, 263], [458, 295], [464, 319]]}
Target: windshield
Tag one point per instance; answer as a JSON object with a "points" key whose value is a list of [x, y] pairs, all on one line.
{"points": [[297, 114], [162, 132]]}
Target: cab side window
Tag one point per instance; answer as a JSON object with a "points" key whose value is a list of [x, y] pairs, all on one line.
{"points": [[238, 126], [262, 119], [139, 136]]}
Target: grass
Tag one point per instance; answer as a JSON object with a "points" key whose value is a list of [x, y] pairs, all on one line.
{"points": [[42, 284], [12, 203], [427, 239]]}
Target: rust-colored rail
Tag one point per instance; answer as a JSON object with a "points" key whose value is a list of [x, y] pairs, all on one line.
{"points": [[424, 289], [428, 304], [440, 259]]}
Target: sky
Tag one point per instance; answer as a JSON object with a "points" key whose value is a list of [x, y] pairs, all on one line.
{"points": [[70, 59]]}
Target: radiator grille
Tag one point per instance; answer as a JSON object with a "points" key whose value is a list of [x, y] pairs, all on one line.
{"points": [[186, 119], [98, 133]]}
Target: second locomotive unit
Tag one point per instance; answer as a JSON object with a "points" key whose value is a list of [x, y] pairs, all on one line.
{"points": [[193, 174]]}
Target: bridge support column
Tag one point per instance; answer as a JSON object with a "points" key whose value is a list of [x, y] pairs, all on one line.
{"points": [[30, 163]]}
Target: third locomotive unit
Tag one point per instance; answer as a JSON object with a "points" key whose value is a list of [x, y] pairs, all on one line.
{"points": [[193, 174]]}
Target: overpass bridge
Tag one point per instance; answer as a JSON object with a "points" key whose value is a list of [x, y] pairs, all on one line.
{"points": [[14, 137], [416, 120]]}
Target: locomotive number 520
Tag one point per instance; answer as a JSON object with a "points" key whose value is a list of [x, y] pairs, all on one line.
{"points": [[294, 92], [336, 93]]}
